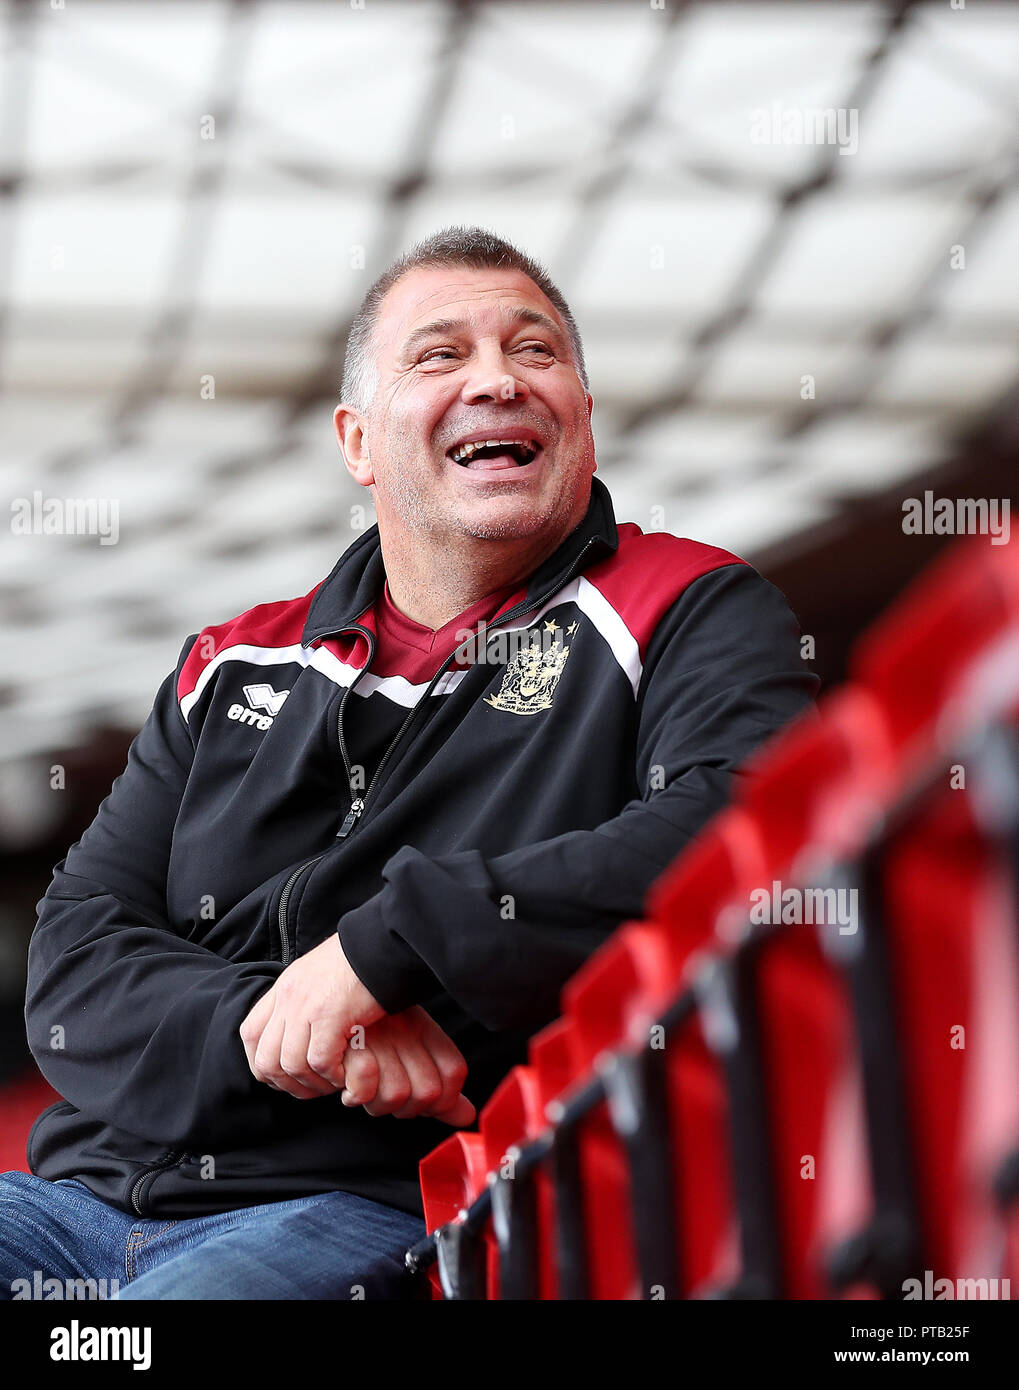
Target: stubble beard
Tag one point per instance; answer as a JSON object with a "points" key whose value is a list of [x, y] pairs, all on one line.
{"points": [[425, 511]]}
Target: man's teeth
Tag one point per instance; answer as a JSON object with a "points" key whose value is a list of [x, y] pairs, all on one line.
{"points": [[467, 451]]}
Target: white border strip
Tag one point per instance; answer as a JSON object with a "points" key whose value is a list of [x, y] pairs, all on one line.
{"points": [[606, 621], [396, 688], [256, 656]]}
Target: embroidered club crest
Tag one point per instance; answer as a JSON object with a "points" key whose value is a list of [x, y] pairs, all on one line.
{"points": [[532, 675]]}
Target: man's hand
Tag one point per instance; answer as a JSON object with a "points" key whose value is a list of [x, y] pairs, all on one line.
{"points": [[408, 1066], [295, 1036], [296, 1039]]}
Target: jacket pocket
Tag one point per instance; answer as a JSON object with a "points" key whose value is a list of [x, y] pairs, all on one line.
{"points": [[250, 930], [30, 1141]]}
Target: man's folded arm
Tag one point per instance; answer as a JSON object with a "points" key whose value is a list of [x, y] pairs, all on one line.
{"points": [[129, 1021], [502, 934]]}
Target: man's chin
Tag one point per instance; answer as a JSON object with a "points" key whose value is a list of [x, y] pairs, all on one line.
{"points": [[507, 522], [520, 515]]}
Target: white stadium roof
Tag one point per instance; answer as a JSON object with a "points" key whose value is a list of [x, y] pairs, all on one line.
{"points": [[711, 266]]}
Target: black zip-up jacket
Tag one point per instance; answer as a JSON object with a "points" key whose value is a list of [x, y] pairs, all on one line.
{"points": [[515, 814]]}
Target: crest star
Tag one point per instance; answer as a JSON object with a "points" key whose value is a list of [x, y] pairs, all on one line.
{"points": [[550, 625], [572, 628]]}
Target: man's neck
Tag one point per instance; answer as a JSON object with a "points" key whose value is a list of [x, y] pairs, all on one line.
{"points": [[433, 584]]}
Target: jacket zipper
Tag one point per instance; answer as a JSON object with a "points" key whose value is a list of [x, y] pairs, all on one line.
{"points": [[358, 803], [281, 915], [172, 1160]]}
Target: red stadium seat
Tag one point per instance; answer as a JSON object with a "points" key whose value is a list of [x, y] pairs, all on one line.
{"points": [[707, 1228], [452, 1177], [618, 993], [553, 1056], [513, 1117], [815, 1106], [704, 899], [951, 926], [614, 1000], [820, 787], [604, 1172]]}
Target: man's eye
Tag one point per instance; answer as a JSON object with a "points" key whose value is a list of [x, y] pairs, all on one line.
{"points": [[438, 354]]}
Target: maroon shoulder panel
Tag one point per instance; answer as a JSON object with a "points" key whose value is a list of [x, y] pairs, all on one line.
{"points": [[273, 625], [648, 573]]}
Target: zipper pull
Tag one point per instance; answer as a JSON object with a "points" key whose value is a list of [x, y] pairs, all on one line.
{"points": [[356, 807]]}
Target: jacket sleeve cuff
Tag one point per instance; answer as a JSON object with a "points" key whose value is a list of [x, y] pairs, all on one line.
{"points": [[380, 958]]}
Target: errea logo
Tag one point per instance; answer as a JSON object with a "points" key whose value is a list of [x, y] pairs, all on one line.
{"points": [[261, 697]]}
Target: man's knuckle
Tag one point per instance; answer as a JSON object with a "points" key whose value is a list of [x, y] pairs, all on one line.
{"points": [[320, 1059], [359, 1069], [456, 1073], [428, 1092]]}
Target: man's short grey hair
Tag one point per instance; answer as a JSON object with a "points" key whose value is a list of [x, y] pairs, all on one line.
{"points": [[473, 247]]}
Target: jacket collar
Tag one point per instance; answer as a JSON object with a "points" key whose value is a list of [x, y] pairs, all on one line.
{"points": [[357, 577]]}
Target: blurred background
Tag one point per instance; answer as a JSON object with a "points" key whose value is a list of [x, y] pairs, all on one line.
{"points": [[787, 336]]}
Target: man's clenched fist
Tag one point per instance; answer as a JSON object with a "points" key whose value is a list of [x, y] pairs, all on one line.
{"points": [[408, 1066], [296, 1034], [297, 1039]]}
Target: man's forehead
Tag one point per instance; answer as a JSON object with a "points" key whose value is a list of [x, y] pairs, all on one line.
{"points": [[430, 293]]}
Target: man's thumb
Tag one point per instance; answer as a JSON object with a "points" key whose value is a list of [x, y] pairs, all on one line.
{"points": [[460, 1113]]}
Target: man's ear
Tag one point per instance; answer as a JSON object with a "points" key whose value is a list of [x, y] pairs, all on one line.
{"points": [[351, 426]]}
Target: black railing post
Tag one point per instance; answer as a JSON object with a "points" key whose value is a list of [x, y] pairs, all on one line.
{"points": [[515, 1222]]}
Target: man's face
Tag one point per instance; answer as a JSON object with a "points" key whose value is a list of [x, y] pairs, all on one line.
{"points": [[468, 355]]}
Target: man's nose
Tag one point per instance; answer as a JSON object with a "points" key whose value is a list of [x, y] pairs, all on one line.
{"points": [[491, 377]]}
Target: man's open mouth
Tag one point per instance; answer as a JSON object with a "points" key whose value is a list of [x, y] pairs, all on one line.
{"points": [[496, 453]]}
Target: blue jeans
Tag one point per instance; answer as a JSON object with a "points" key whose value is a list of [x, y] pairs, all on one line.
{"points": [[329, 1246]]}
